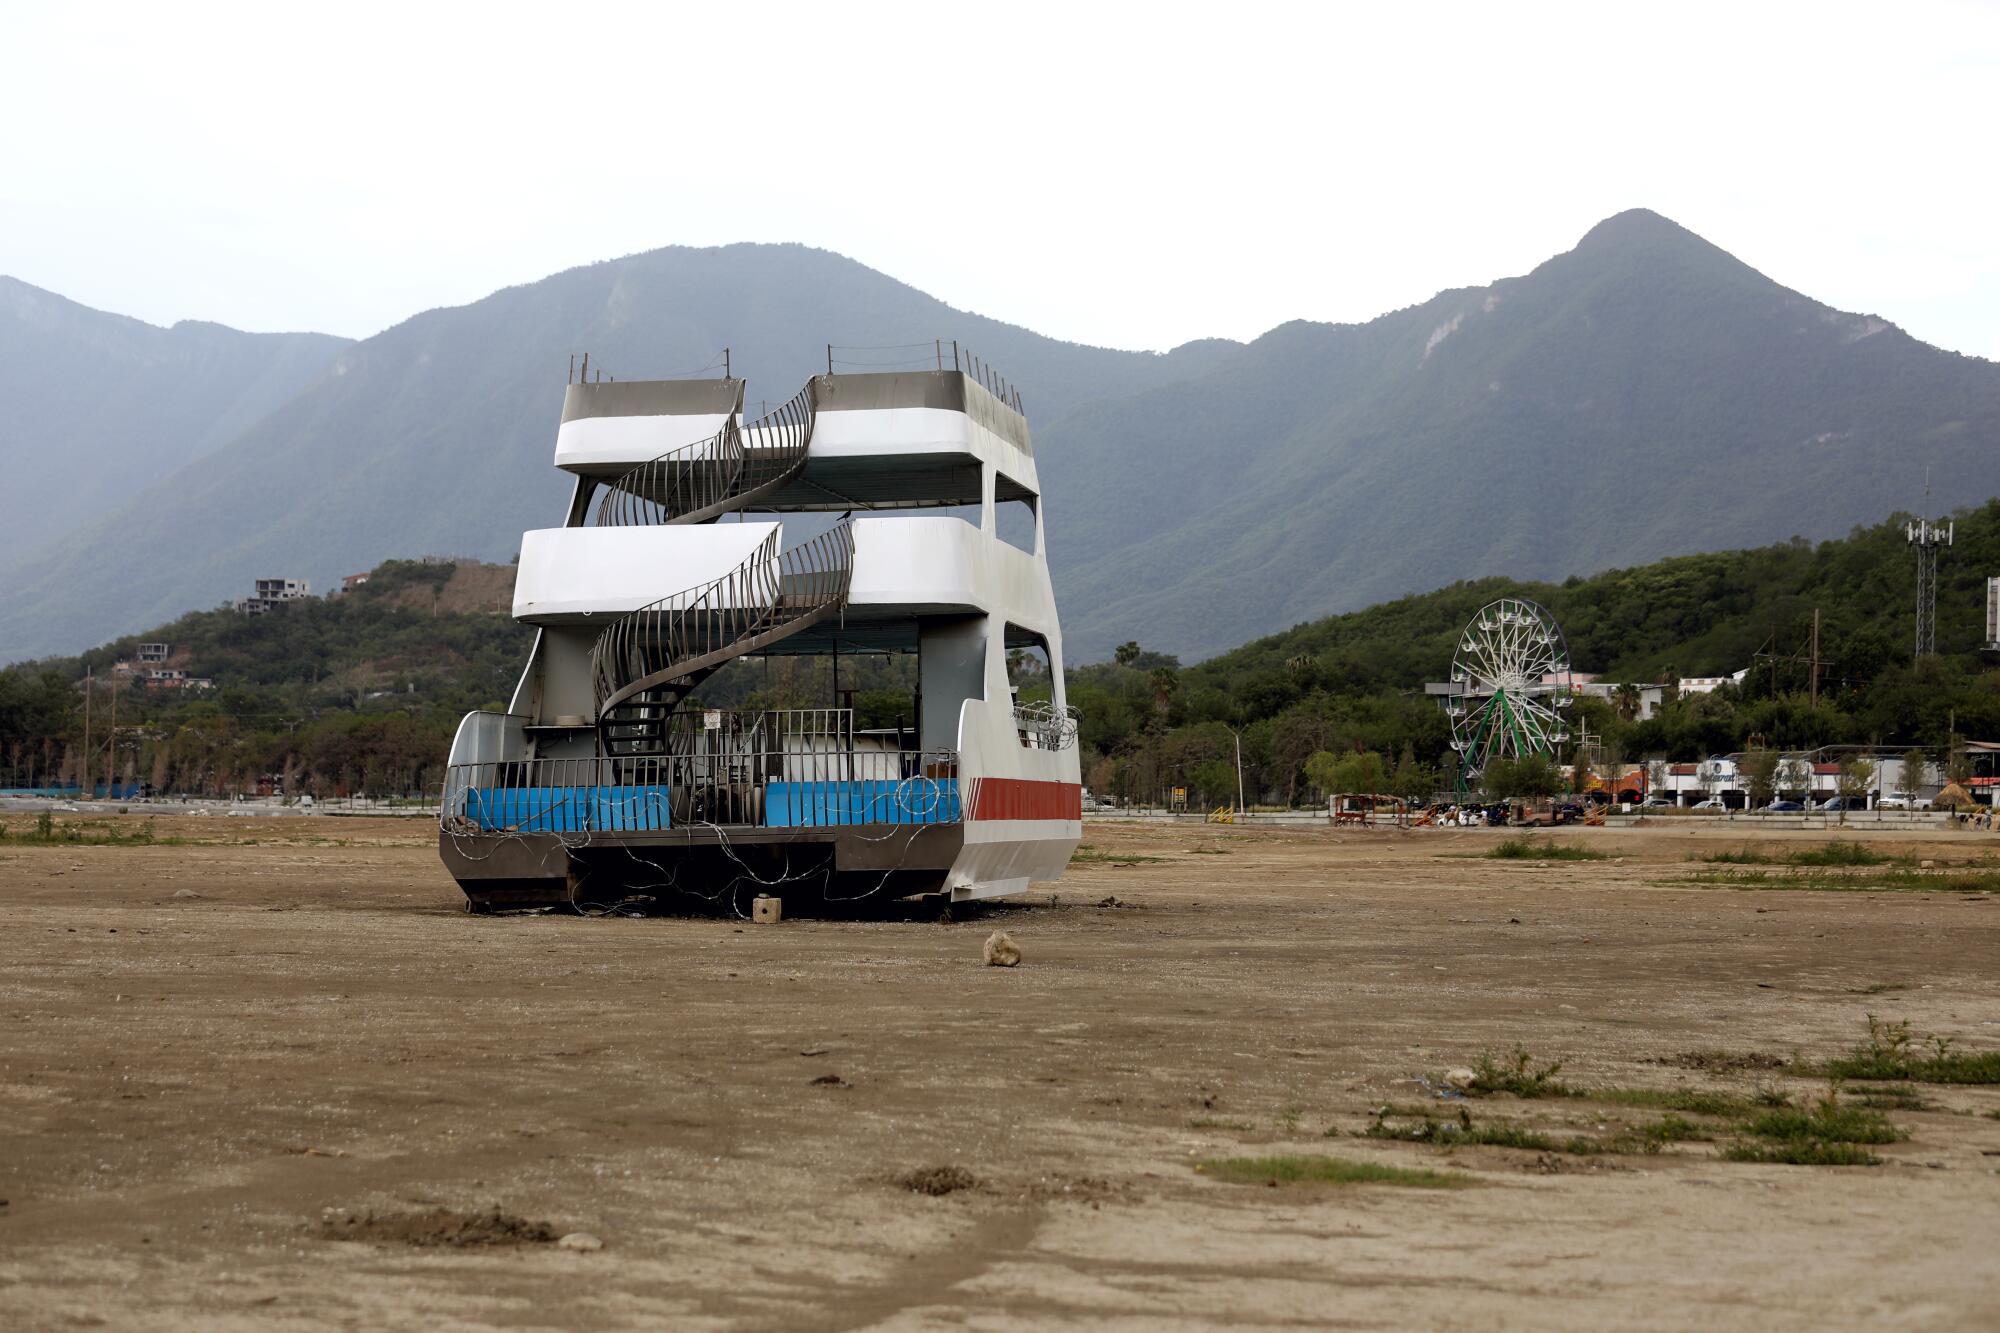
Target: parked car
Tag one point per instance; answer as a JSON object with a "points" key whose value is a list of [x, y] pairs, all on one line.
{"points": [[1712, 803], [1659, 803], [1900, 803], [1837, 804], [1783, 808]]}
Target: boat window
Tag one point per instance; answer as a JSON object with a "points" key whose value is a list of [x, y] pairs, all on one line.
{"points": [[1028, 662], [1014, 513]]}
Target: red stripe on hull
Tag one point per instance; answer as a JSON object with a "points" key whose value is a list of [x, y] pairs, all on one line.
{"points": [[1026, 798]]}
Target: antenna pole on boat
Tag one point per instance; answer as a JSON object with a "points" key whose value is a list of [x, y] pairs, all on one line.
{"points": [[725, 365], [829, 360]]}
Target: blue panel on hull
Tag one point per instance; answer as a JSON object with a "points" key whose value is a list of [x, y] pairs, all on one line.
{"points": [[874, 801], [567, 809]]}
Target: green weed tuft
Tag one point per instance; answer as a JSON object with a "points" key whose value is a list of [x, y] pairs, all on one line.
{"points": [[1692, 1101], [1890, 1054], [1845, 854], [1084, 856], [1465, 1132], [1828, 1133], [90, 833], [1805, 1152], [1828, 1122], [1835, 855], [1519, 1077], [1531, 849], [1326, 1171]]}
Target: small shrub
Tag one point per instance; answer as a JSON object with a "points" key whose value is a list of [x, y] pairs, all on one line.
{"points": [[1520, 1077], [1890, 1054], [1825, 1134], [1828, 1122]]}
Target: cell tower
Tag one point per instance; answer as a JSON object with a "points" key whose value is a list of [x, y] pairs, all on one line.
{"points": [[1993, 615], [1927, 537]]}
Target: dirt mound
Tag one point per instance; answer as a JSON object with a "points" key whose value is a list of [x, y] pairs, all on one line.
{"points": [[938, 1180], [440, 1226]]}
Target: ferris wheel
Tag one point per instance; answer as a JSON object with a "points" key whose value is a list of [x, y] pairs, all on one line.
{"points": [[1510, 685]]}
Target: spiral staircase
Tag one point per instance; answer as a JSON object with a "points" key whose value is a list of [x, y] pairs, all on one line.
{"points": [[645, 664]]}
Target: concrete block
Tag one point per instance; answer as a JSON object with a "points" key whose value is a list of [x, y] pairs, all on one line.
{"points": [[767, 911]]}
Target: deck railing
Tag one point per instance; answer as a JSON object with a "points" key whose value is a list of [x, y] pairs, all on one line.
{"points": [[715, 476], [721, 784]]}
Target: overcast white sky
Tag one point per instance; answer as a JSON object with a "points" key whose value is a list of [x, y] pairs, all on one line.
{"points": [[1133, 175]]}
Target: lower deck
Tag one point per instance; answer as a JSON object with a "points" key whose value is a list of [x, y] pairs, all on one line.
{"points": [[701, 866]]}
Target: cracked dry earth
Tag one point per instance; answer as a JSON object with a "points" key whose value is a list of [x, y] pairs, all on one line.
{"points": [[318, 1095]]}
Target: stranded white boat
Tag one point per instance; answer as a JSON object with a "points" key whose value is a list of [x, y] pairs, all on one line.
{"points": [[605, 781]]}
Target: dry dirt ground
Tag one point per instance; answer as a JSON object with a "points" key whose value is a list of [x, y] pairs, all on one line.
{"points": [[303, 1098]]}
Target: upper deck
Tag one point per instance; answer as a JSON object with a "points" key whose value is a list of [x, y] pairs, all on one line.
{"points": [[895, 440]]}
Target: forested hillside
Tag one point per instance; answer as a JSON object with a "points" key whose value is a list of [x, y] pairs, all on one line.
{"points": [[1353, 682], [364, 691]]}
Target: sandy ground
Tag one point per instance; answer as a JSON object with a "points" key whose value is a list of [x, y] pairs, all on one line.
{"points": [[198, 1092]]}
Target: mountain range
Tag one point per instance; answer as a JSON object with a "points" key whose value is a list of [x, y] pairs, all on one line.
{"points": [[1644, 394], [96, 407]]}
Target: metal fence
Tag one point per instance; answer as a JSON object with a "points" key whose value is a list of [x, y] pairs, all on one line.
{"points": [[716, 781]]}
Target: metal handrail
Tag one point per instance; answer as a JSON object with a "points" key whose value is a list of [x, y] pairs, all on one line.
{"points": [[650, 658], [734, 467]]}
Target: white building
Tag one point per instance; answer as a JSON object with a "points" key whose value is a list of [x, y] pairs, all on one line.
{"points": [[272, 593]]}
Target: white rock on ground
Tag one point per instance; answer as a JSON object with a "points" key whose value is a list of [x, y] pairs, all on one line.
{"points": [[1001, 951]]}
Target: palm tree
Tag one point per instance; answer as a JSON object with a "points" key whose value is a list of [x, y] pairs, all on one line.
{"points": [[1625, 701]]}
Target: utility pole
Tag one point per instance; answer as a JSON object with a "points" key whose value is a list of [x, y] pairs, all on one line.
{"points": [[111, 742], [1815, 659], [1241, 809], [89, 755]]}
